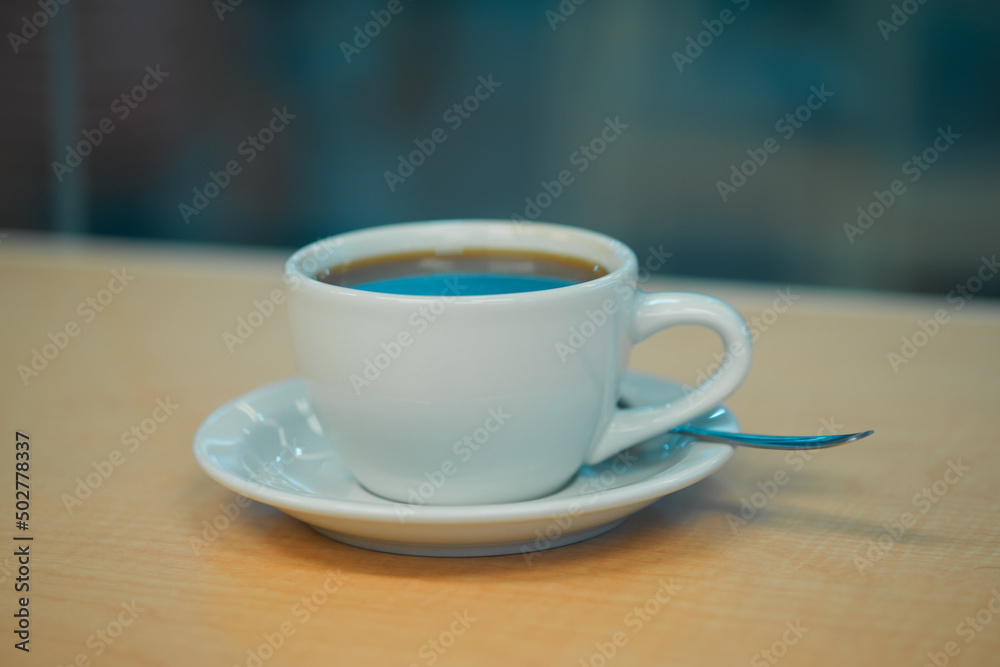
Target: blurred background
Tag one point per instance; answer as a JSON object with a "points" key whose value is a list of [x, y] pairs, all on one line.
{"points": [[742, 136]]}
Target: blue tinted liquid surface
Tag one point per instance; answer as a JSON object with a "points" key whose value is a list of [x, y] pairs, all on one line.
{"points": [[463, 284]]}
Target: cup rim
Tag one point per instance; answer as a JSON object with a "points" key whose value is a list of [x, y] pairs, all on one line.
{"points": [[628, 262]]}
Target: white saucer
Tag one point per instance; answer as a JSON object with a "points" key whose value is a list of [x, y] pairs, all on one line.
{"points": [[268, 446]]}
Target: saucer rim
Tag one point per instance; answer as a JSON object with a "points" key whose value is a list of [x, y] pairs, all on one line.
{"points": [[654, 487]]}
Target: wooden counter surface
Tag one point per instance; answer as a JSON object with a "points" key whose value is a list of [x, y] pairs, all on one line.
{"points": [[114, 579]]}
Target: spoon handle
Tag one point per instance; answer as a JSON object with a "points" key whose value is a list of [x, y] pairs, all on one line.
{"points": [[772, 441]]}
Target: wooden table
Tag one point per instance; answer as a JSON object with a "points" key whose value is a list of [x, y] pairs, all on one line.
{"points": [[799, 580]]}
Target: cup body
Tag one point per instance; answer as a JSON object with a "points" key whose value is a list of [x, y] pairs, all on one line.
{"points": [[451, 399]]}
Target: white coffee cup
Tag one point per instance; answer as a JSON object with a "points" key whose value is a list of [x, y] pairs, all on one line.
{"points": [[488, 399]]}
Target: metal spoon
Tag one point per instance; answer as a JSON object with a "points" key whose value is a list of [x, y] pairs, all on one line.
{"points": [[771, 441]]}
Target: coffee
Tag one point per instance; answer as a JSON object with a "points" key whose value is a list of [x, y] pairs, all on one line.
{"points": [[466, 272]]}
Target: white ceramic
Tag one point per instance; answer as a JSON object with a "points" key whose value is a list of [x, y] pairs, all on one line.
{"points": [[487, 399], [268, 445]]}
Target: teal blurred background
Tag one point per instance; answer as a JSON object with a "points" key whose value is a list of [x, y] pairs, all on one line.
{"points": [[741, 136]]}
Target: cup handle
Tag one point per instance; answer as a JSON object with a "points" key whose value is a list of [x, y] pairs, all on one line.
{"points": [[655, 312]]}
